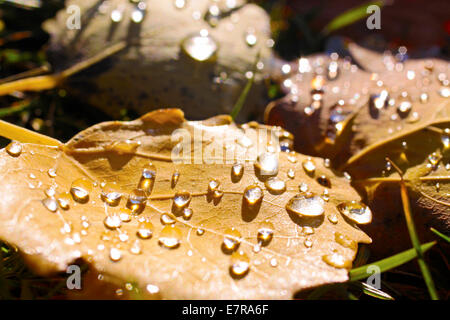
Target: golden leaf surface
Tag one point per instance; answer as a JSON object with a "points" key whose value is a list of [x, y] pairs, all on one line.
{"points": [[173, 252], [358, 117]]}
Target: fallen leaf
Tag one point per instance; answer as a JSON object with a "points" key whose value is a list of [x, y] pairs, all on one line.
{"points": [[167, 62], [170, 243], [391, 109]]}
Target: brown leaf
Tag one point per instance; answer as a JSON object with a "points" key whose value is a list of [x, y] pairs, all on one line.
{"points": [[53, 236], [408, 126], [154, 70]]}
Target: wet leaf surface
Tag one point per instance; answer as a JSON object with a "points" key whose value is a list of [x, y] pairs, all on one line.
{"points": [[175, 56], [192, 231], [358, 117]]}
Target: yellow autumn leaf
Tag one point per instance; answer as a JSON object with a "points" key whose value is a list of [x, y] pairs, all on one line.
{"points": [[222, 216]]}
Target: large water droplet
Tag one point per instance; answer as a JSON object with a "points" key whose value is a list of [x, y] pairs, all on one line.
{"points": [[306, 206], [14, 148], [111, 193], [356, 211], [345, 241], [115, 254], [240, 264], [199, 46], [137, 201], [170, 237], [379, 101], [166, 219], [80, 190], [267, 164], [175, 178], [275, 185], [147, 179], [213, 185], [64, 200]]}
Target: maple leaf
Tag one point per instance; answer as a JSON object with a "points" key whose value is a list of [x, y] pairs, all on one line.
{"points": [[223, 221]]}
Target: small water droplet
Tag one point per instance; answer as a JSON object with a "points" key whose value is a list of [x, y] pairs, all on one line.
{"points": [[115, 254], [51, 204], [250, 38], [125, 214], [231, 240], [379, 101], [64, 200], [80, 190], [433, 159], [137, 201], [237, 170], [111, 193], [181, 200], [308, 230], [187, 213], [213, 185], [308, 243], [306, 206], [14, 148], [166, 219], [333, 218], [253, 195], [267, 164], [51, 173], [275, 185], [145, 230], [200, 231], [240, 264], [273, 262], [444, 91], [345, 241], [170, 237], [199, 46], [303, 187], [337, 260], [424, 97], [445, 139], [180, 4], [147, 179], [265, 233], [291, 174], [112, 222], [324, 181], [404, 108], [135, 249], [355, 211], [325, 195], [123, 147], [309, 166], [175, 178]]}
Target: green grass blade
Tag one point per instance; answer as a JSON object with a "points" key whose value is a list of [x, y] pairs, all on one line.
{"points": [[349, 17], [388, 263], [373, 292], [243, 96], [443, 236]]}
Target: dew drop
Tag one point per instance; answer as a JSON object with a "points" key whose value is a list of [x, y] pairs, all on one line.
{"points": [[166, 219], [199, 46], [64, 200], [404, 108], [337, 260], [231, 240], [80, 190], [424, 97], [324, 181], [306, 206], [275, 185], [125, 214], [444, 91], [115, 254], [250, 38], [200, 231], [445, 139], [433, 159], [333, 218], [265, 233], [170, 237], [273, 262], [253, 195], [136, 201], [51, 204], [175, 178], [213, 185], [136, 248], [237, 170], [345, 241], [240, 264], [309, 166], [356, 211], [51, 173], [111, 193], [123, 147], [187, 213], [179, 4], [112, 222], [379, 101], [14, 148], [291, 174], [147, 179], [145, 230], [308, 243], [181, 200], [267, 164]]}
